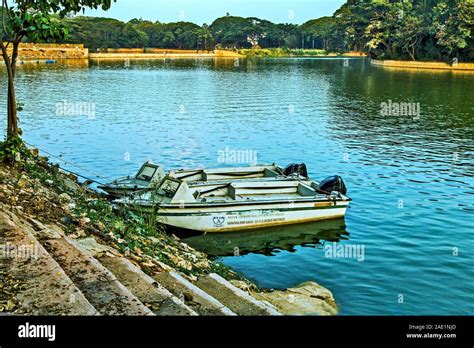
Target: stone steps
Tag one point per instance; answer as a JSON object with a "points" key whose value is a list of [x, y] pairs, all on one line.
{"points": [[43, 287], [145, 288], [100, 286], [234, 298], [102, 282], [193, 296]]}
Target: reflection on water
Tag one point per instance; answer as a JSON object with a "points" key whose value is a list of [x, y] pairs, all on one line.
{"points": [[269, 241], [411, 180], [61, 64], [405, 70]]}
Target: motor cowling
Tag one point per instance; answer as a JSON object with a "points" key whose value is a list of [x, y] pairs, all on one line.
{"points": [[333, 184], [296, 168]]}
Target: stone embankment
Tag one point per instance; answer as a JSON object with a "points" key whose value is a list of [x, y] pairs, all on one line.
{"points": [[37, 53], [156, 53], [32, 52], [65, 251], [405, 64]]}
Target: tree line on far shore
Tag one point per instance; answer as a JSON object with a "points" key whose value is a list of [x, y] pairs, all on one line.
{"points": [[439, 30], [386, 29]]}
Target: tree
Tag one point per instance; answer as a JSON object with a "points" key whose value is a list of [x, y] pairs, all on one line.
{"points": [[454, 25], [205, 34], [321, 31], [380, 32], [37, 21], [288, 35], [229, 31], [97, 33], [408, 29], [152, 29], [409, 36], [132, 37], [352, 19]]}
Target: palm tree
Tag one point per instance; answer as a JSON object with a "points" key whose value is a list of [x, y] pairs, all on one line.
{"points": [[205, 34]]}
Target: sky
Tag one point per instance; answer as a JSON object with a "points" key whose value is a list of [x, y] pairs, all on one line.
{"points": [[205, 11]]}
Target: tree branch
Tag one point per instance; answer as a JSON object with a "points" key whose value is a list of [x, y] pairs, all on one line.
{"points": [[5, 55], [7, 9], [4, 5]]}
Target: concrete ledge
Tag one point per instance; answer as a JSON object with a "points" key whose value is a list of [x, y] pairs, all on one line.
{"points": [[422, 65], [151, 56], [145, 56], [158, 53]]}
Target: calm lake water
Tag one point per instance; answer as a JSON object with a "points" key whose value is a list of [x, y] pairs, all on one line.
{"points": [[411, 178]]}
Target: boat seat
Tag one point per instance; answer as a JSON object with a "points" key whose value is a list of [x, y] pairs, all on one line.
{"points": [[306, 191], [232, 192], [242, 190], [268, 173]]}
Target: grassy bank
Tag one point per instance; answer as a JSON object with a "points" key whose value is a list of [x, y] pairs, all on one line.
{"points": [[288, 53], [282, 53]]}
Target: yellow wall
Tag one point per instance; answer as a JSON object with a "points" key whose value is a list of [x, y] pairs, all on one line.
{"points": [[422, 65], [31, 51]]}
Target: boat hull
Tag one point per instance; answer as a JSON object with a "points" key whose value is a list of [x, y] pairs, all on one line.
{"points": [[121, 192], [237, 218]]}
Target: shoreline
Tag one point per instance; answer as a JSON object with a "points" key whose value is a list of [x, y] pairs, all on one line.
{"points": [[422, 65], [31, 53], [164, 55]]}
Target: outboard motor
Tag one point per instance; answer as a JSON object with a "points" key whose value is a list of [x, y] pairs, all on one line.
{"points": [[334, 183], [296, 168]]}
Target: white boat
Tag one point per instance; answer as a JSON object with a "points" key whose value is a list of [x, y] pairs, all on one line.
{"points": [[242, 204], [150, 175]]}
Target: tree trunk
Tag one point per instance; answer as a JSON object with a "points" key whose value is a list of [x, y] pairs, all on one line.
{"points": [[12, 127], [412, 50], [12, 120]]}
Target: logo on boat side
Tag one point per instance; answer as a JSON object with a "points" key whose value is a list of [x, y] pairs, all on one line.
{"points": [[219, 221]]}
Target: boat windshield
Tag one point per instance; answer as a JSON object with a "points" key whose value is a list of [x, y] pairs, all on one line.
{"points": [[168, 188], [146, 173]]}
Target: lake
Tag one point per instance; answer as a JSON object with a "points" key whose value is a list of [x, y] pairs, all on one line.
{"points": [[410, 173]]}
